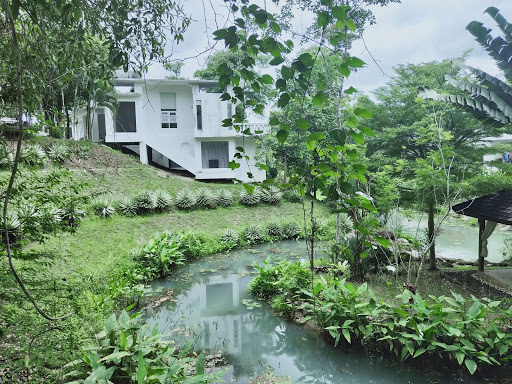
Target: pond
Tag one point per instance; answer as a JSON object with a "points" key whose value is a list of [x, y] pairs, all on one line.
{"points": [[211, 306], [457, 240]]}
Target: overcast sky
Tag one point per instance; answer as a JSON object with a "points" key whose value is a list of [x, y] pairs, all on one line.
{"points": [[413, 31]]}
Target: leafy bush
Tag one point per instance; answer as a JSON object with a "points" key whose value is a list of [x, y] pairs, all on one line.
{"points": [[185, 200], [127, 207], [103, 209], [13, 228], [145, 201], [161, 255], [274, 229], [128, 351], [271, 196], [250, 198], [59, 153], [291, 196], [33, 155], [224, 198], [229, 236], [82, 149], [205, 198], [253, 234], [291, 230], [6, 156], [163, 201]]}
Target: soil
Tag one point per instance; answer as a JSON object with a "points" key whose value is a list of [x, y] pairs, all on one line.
{"points": [[468, 281]]}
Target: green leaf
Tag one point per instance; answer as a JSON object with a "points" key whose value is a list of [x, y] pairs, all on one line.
{"points": [[354, 62], [474, 310], [470, 365], [122, 338], [367, 131], [419, 352], [116, 356], [346, 333], [351, 25], [286, 72], [339, 136], [361, 112], [141, 369], [460, 356], [282, 135], [344, 70], [351, 90], [315, 136], [276, 61], [267, 79], [358, 137], [283, 101], [320, 98], [302, 123], [317, 289]]}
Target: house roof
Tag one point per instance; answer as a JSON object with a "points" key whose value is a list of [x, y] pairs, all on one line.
{"points": [[201, 83], [496, 207]]}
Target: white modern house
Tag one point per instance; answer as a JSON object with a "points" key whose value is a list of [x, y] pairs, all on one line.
{"points": [[176, 124]]}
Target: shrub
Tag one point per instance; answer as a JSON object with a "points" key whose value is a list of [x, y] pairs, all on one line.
{"points": [[291, 230], [205, 198], [253, 234], [224, 198], [163, 200], [6, 156], [103, 209], [72, 215], [82, 150], [274, 229], [271, 196], [13, 227], [185, 200], [59, 153], [291, 196], [33, 155], [145, 201], [230, 236], [161, 255], [250, 198], [127, 207]]}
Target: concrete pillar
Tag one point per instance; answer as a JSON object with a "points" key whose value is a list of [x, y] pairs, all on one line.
{"points": [[143, 152]]}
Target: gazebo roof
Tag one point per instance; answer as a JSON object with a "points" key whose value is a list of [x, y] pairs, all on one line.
{"points": [[496, 207]]}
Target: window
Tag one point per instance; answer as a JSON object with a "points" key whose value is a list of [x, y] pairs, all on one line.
{"points": [[214, 154], [168, 110], [199, 116], [125, 117]]}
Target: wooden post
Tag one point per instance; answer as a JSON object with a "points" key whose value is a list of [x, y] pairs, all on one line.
{"points": [[481, 227]]}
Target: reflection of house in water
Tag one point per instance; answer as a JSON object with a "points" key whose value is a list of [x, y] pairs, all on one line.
{"points": [[209, 313]]}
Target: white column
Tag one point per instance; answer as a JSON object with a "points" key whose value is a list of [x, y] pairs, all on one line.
{"points": [[143, 152]]}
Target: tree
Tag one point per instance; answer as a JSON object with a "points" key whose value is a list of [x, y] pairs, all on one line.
{"points": [[428, 146], [135, 32], [489, 99]]}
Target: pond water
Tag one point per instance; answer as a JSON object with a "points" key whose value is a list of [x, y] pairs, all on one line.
{"points": [[457, 240], [210, 308]]}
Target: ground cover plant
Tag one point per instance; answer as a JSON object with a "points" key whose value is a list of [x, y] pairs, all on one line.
{"points": [[469, 332]]}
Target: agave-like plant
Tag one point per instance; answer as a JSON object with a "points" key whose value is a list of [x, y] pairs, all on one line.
{"points": [[224, 198], [145, 201], [127, 206], [291, 230], [163, 200], [13, 228], [274, 229], [185, 199], [59, 152], [229, 236], [205, 198], [103, 209], [291, 196], [491, 99], [253, 234], [72, 215], [33, 155], [250, 198], [272, 195], [6, 156]]}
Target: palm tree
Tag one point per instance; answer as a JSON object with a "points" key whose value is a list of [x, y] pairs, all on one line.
{"points": [[489, 99]]}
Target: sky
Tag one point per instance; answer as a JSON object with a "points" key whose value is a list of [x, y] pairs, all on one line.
{"points": [[413, 31]]}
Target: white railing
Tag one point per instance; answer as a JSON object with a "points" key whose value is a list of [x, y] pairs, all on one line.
{"points": [[254, 129]]}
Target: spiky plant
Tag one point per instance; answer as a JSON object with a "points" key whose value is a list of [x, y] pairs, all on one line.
{"points": [[59, 152], [28, 215], [163, 200], [127, 206], [274, 229], [6, 157], [250, 198], [230, 236], [253, 234], [145, 201], [206, 198], [291, 196], [272, 195], [291, 230], [72, 215], [103, 209], [33, 155], [13, 228], [224, 198], [185, 199]]}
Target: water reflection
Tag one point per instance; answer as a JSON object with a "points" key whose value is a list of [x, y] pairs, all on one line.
{"points": [[209, 309]]}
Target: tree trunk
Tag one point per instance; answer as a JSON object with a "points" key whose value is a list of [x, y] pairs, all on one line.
{"points": [[481, 227], [431, 235]]}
